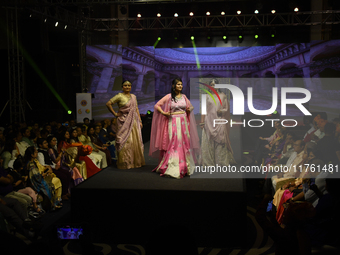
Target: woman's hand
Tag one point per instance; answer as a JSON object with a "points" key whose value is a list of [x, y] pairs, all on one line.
{"points": [[202, 124], [118, 114], [141, 125], [167, 114]]}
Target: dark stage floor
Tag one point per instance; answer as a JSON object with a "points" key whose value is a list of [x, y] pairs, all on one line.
{"points": [[144, 179], [130, 205]]}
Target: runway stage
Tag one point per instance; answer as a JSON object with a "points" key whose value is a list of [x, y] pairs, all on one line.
{"points": [[126, 206]]}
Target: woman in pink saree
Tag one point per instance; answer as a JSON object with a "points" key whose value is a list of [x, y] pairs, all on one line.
{"points": [[129, 143], [173, 134]]}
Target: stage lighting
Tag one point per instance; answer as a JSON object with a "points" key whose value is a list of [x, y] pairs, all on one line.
{"points": [[56, 24], [159, 38], [225, 36], [139, 15], [207, 13], [240, 37], [191, 14], [192, 38], [238, 12], [273, 11], [30, 15], [256, 36], [296, 9], [45, 20], [176, 15], [69, 112], [159, 15], [222, 13], [272, 33], [65, 26], [256, 11]]}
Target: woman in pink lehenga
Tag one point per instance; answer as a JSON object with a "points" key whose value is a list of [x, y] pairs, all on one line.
{"points": [[129, 143], [173, 134]]}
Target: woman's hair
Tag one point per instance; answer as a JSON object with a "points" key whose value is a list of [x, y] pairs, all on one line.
{"points": [[126, 81], [40, 141], [62, 136], [28, 153], [173, 87], [49, 139], [214, 80], [18, 163]]}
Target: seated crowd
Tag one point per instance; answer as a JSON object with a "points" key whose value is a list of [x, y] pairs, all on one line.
{"points": [[303, 199], [40, 164]]}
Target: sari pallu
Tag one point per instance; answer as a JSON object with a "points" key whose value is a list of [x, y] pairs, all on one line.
{"points": [[129, 143], [40, 184], [216, 146]]}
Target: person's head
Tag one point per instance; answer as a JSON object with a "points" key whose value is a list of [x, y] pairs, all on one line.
{"points": [[31, 153], [90, 130], [108, 122], [42, 143], [64, 135], [280, 131], [74, 133], [18, 164], [329, 129], [84, 130], [126, 86], [72, 123], [26, 132], [309, 147], [86, 121], [277, 124], [310, 155], [289, 137], [17, 136], [79, 132], [97, 129], [307, 120], [44, 133], [52, 141], [299, 146], [48, 127], [213, 82], [35, 126], [177, 85], [321, 124], [104, 124]]}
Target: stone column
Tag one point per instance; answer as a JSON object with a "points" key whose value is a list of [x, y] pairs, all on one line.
{"points": [[186, 89], [308, 82], [104, 80], [157, 83], [277, 84], [138, 90], [110, 88]]}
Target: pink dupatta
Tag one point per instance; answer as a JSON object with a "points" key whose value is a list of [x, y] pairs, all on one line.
{"points": [[159, 138]]}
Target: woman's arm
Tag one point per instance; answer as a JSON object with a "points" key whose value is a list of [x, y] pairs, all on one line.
{"points": [[160, 103], [111, 102]]}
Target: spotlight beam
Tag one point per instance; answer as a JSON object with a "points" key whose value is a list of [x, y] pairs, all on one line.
{"points": [[38, 71]]}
